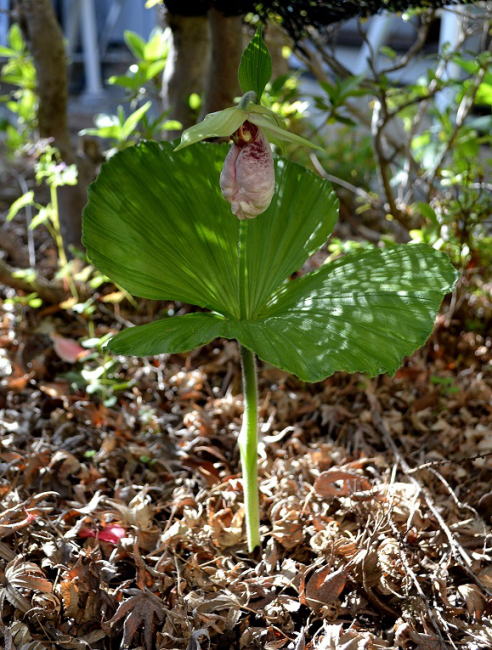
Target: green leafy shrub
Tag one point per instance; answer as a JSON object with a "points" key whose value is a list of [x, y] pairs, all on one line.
{"points": [[22, 100]]}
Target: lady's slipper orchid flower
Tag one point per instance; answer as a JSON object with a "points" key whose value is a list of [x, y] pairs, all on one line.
{"points": [[247, 180]]}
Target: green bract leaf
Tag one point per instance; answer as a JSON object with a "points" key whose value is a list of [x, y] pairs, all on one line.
{"points": [[133, 119], [215, 125], [255, 68], [135, 44], [42, 217]]}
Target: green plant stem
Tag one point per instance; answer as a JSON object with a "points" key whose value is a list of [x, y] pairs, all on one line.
{"points": [[55, 220], [248, 448], [55, 217]]}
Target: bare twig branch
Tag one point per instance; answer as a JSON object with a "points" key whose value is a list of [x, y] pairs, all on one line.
{"points": [[450, 461], [416, 47], [338, 181]]}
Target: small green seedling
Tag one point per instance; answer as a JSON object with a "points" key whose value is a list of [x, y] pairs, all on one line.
{"points": [[157, 225]]}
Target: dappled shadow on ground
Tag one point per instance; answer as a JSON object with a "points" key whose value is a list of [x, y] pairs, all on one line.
{"points": [[121, 525]]}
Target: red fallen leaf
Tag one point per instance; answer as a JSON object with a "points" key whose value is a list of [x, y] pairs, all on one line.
{"points": [[112, 533], [68, 349]]}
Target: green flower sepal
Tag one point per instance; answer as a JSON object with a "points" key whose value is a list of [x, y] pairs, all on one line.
{"points": [[223, 124]]}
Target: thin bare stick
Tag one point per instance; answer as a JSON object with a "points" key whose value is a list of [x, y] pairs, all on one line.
{"points": [[448, 461], [338, 181], [416, 47]]}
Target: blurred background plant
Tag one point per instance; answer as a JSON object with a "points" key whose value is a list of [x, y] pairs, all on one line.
{"points": [[402, 115], [18, 124]]}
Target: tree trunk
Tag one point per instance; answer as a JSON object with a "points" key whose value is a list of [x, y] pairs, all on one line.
{"points": [[227, 45], [45, 41], [186, 66]]}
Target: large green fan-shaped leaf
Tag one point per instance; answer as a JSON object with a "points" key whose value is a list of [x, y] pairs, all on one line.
{"points": [[175, 334], [363, 312], [157, 224], [302, 214], [160, 228]]}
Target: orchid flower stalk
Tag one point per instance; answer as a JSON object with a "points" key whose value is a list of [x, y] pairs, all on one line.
{"points": [[247, 182]]}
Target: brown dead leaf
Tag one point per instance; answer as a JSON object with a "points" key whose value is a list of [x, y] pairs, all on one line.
{"points": [[426, 641], [64, 464], [80, 592], [108, 444], [138, 611], [19, 379], [69, 592], [56, 389], [485, 577], [336, 638], [138, 512], [22, 578], [324, 586], [227, 527], [196, 635], [35, 463], [351, 482], [366, 568], [45, 605], [27, 575], [428, 399], [474, 600], [18, 636], [288, 531], [8, 529]]}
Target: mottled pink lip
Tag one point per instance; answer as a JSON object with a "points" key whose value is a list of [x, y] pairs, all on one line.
{"points": [[247, 180]]}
